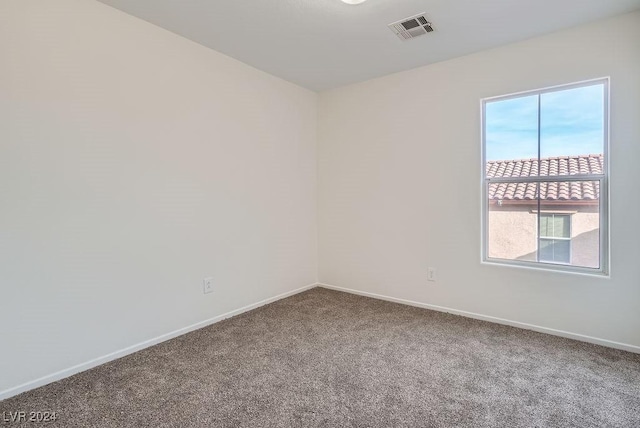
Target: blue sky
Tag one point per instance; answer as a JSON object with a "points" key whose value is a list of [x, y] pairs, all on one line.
{"points": [[571, 124]]}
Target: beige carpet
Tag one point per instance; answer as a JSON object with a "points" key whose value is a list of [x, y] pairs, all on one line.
{"points": [[330, 359]]}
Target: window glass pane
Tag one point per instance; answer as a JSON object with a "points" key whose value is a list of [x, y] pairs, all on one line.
{"points": [[555, 250], [555, 226], [511, 128], [562, 226], [571, 124], [512, 221], [545, 225], [569, 226], [572, 233]]}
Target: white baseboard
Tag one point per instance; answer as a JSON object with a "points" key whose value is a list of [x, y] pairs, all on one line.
{"points": [[554, 332], [142, 345], [7, 393]]}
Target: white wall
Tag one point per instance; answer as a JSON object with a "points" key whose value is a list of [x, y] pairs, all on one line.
{"points": [[399, 184], [133, 163]]}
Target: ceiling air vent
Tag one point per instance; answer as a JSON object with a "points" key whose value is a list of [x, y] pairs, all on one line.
{"points": [[411, 27]]}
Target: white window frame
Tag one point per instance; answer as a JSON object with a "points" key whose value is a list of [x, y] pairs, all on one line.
{"points": [[605, 262]]}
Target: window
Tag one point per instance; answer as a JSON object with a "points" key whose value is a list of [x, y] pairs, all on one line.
{"points": [[545, 172], [554, 242]]}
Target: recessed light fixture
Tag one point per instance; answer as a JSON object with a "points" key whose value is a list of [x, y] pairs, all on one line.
{"points": [[353, 1]]}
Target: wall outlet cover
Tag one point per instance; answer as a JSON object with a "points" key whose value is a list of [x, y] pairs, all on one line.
{"points": [[207, 285]]}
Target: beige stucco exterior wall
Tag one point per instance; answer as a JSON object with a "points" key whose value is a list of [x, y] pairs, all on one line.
{"points": [[512, 233]]}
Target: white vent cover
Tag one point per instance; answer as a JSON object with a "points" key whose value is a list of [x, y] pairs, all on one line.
{"points": [[411, 27]]}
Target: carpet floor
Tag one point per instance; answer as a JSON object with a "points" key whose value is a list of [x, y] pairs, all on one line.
{"points": [[331, 359]]}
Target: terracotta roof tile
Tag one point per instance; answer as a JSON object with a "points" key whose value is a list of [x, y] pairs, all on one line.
{"points": [[549, 167]]}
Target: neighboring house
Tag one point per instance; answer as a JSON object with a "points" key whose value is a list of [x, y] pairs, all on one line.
{"points": [[569, 211]]}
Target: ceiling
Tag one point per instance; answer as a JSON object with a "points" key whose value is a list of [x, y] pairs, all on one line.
{"points": [[322, 44]]}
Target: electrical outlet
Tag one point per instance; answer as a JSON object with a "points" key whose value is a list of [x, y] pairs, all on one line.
{"points": [[207, 285], [431, 274]]}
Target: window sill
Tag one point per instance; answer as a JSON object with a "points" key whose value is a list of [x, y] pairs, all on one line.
{"points": [[546, 267]]}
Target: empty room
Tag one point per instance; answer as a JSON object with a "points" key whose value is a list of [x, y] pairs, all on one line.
{"points": [[320, 213]]}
